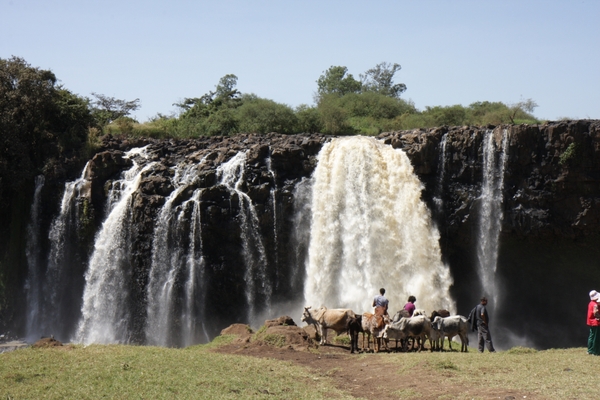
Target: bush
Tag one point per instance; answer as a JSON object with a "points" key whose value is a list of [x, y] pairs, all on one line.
{"points": [[309, 119], [263, 116]]}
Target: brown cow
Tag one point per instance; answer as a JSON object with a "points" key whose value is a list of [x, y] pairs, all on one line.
{"points": [[373, 324], [323, 319]]}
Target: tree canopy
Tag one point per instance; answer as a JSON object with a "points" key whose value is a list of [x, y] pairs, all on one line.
{"points": [[108, 109], [380, 79], [39, 120], [336, 80]]}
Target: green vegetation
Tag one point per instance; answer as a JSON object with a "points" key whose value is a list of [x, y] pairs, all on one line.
{"points": [[341, 340], [344, 106], [568, 155], [46, 113], [40, 121], [197, 372]]}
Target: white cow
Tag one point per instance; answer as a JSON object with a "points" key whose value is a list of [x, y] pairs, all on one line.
{"points": [[418, 327], [452, 326], [324, 318]]}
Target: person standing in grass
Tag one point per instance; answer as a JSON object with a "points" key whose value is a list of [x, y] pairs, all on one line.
{"points": [[483, 329], [593, 322]]}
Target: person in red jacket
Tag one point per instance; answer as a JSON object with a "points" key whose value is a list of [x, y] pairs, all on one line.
{"points": [[593, 322]]}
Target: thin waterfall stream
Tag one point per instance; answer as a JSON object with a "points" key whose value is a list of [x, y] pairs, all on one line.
{"points": [[491, 215]]}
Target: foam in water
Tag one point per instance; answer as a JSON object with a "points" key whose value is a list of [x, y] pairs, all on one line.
{"points": [[370, 229]]}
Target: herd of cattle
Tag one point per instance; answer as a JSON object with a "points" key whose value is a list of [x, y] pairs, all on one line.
{"points": [[415, 330]]}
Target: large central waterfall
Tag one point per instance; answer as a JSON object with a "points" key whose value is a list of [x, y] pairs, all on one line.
{"points": [[370, 229]]}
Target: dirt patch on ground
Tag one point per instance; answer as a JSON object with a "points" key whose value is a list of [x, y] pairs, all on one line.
{"points": [[367, 376], [46, 342]]}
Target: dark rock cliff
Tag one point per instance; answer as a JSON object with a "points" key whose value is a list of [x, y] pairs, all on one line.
{"points": [[549, 241]]}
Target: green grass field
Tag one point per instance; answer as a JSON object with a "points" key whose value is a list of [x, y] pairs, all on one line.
{"points": [[142, 372]]}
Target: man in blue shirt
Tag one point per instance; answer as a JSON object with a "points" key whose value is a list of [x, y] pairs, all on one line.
{"points": [[381, 301]]}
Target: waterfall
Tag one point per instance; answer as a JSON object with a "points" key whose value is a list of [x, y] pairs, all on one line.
{"points": [[370, 229], [57, 306], [231, 175], [273, 193], [177, 270], [33, 284], [105, 314], [491, 214], [301, 232], [438, 197]]}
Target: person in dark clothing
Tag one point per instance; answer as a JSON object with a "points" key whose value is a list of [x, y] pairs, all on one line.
{"points": [[483, 327]]}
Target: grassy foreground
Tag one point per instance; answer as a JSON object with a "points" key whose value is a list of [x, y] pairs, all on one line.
{"points": [[140, 372], [547, 374], [136, 372]]}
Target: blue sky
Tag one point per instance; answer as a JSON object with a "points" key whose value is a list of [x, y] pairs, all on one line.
{"points": [[451, 52]]}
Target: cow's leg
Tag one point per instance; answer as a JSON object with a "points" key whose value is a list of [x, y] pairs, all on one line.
{"points": [[463, 343], [450, 342], [324, 337]]}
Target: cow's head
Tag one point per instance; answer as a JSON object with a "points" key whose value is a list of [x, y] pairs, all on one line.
{"points": [[383, 333], [306, 314], [437, 323]]}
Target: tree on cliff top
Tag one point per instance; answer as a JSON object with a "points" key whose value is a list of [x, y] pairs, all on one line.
{"points": [[39, 120], [214, 112], [380, 79], [337, 81], [108, 109]]}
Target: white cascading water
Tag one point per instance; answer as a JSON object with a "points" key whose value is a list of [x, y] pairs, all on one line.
{"points": [[273, 194], [301, 231], [33, 284], [370, 229], [104, 312], [438, 198], [490, 218], [176, 261], [231, 175], [59, 235]]}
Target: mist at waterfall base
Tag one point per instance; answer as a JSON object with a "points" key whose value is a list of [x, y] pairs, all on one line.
{"points": [[358, 224]]}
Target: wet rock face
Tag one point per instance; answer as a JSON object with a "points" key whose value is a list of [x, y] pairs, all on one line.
{"points": [[551, 182]]}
